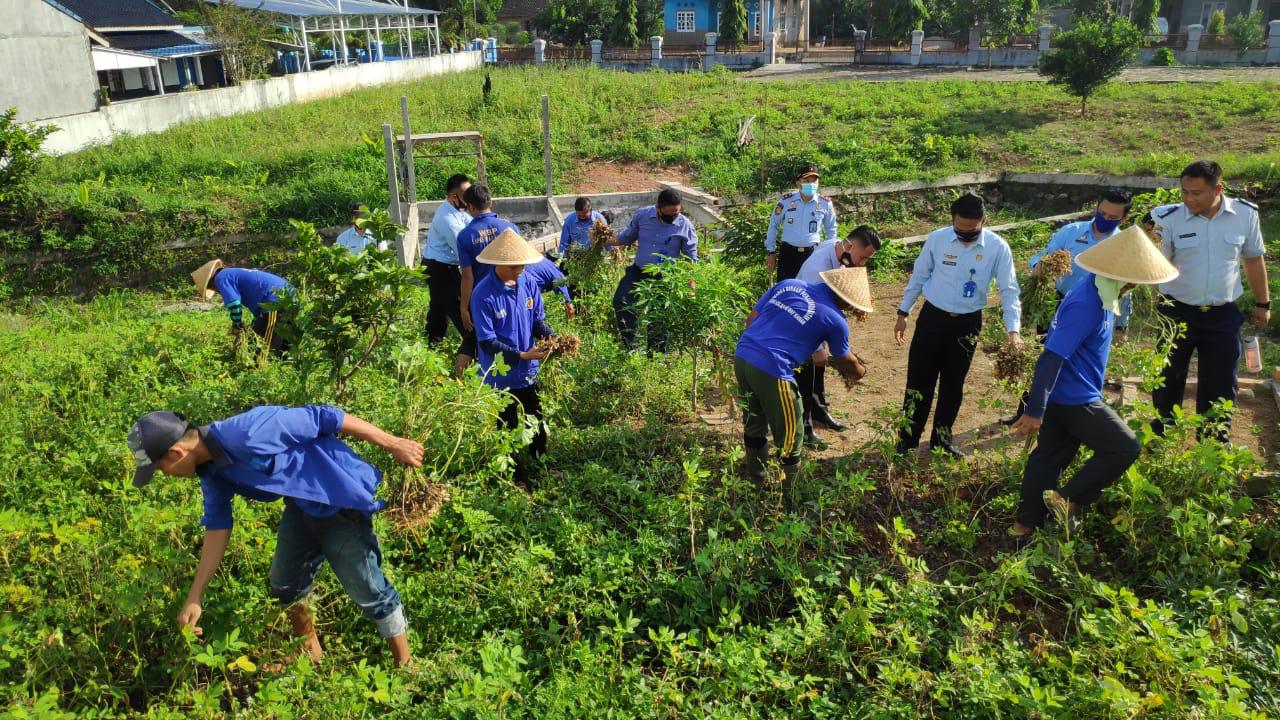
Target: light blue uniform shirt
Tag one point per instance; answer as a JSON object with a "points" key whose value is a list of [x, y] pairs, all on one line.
{"points": [[799, 223], [822, 259], [574, 233], [657, 241], [352, 240], [955, 277], [1075, 238], [1207, 252], [442, 236]]}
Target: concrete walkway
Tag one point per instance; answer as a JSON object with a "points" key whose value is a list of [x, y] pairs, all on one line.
{"points": [[815, 72]]}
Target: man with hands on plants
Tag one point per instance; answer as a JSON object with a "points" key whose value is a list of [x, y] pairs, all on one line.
{"points": [[548, 278], [356, 238], [854, 251], [1207, 237], [509, 320], [791, 321], [955, 268], [242, 288], [485, 225], [1065, 403], [661, 234], [800, 222], [573, 236], [271, 453]]}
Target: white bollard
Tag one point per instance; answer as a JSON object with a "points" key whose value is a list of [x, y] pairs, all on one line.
{"points": [[1193, 42], [917, 46], [597, 52], [1273, 43], [709, 59], [655, 50], [539, 51]]}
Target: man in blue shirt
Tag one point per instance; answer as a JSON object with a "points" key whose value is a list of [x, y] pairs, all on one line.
{"points": [[956, 267], [800, 222], [784, 328], [1209, 237], [270, 453], [1065, 403], [550, 278], [660, 234], [485, 225], [855, 250], [573, 236], [355, 238], [509, 320], [242, 288], [440, 260]]}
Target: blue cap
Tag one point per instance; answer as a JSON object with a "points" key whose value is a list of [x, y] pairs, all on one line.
{"points": [[150, 438]]}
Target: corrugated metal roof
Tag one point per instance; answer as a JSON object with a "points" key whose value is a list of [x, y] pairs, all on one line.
{"points": [[107, 14], [159, 44], [326, 8]]}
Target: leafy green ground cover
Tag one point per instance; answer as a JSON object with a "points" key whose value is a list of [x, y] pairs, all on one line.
{"points": [[640, 578], [109, 208]]}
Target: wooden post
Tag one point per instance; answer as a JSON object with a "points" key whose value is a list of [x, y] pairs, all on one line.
{"points": [[546, 142], [411, 175], [393, 191]]}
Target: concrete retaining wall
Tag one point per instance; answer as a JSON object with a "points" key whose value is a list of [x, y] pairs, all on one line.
{"points": [[153, 114]]}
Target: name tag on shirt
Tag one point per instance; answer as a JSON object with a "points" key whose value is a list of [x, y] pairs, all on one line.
{"points": [[1082, 240], [1188, 235], [949, 262]]}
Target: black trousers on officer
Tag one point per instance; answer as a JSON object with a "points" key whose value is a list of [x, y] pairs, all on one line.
{"points": [[1214, 335], [791, 259], [527, 399], [1064, 430], [445, 283], [624, 301], [808, 379], [941, 351]]}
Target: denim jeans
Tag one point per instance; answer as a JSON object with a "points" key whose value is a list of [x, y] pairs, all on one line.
{"points": [[346, 540]]}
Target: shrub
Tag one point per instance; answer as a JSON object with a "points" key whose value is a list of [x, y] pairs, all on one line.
{"points": [[1217, 23], [1089, 55], [1246, 32], [19, 152], [1164, 57]]}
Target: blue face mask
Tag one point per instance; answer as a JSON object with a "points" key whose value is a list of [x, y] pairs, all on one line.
{"points": [[809, 189], [1102, 224]]}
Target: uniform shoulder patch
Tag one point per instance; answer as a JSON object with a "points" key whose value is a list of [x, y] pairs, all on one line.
{"points": [[777, 209], [787, 195], [1242, 201], [825, 197], [1166, 213]]}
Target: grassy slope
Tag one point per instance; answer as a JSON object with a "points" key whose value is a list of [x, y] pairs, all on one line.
{"points": [[311, 160]]}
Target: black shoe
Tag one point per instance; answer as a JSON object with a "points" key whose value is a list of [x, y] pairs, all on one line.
{"points": [[811, 438], [903, 447], [946, 448], [823, 417], [1010, 420]]}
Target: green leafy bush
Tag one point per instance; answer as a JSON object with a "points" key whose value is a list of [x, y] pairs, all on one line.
{"points": [[1089, 55], [1247, 32]]}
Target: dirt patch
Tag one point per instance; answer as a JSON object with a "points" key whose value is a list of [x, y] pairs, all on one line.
{"points": [[870, 407], [601, 176]]}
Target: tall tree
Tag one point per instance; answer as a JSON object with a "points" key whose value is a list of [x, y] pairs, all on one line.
{"points": [[625, 32], [733, 22], [1089, 55], [1144, 14], [242, 35]]}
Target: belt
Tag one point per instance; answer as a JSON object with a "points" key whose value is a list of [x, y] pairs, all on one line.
{"points": [[951, 314], [1200, 308], [797, 248]]}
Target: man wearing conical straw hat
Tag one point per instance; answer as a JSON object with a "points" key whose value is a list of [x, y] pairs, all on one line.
{"points": [[243, 288], [1065, 402], [791, 321], [506, 308]]}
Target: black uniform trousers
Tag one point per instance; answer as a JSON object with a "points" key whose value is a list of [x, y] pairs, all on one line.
{"points": [[525, 398], [1063, 430], [808, 379], [941, 351], [275, 328], [444, 281], [1212, 333], [624, 310]]}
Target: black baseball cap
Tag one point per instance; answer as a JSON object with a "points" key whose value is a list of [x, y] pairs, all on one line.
{"points": [[150, 438], [358, 209], [806, 170]]}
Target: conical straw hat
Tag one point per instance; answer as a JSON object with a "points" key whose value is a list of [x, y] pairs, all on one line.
{"points": [[203, 275], [1128, 256], [851, 285], [509, 249]]}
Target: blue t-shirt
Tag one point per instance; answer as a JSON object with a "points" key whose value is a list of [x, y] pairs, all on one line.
{"points": [[247, 287], [657, 241], [1081, 334], [507, 313], [274, 452], [475, 237], [548, 277], [574, 233], [794, 318]]}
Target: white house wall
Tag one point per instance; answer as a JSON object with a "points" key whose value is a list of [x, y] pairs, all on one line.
{"points": [[46, 69]]}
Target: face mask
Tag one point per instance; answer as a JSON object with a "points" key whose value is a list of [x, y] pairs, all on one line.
{"points": [[967, 235], [668, 219], [1102, 224], [809, 189]]}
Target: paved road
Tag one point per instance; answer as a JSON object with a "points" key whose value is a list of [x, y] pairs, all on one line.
{"points": [[828, 73]]}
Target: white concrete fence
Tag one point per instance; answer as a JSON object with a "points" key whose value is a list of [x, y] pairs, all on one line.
{"points": [[153, 114]]}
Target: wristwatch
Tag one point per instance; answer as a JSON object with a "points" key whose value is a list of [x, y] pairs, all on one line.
{"points": [[1264, 305], [902, 314]]}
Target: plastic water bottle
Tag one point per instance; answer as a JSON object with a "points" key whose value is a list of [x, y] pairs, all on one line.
{"points": [[1252, 354]]}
